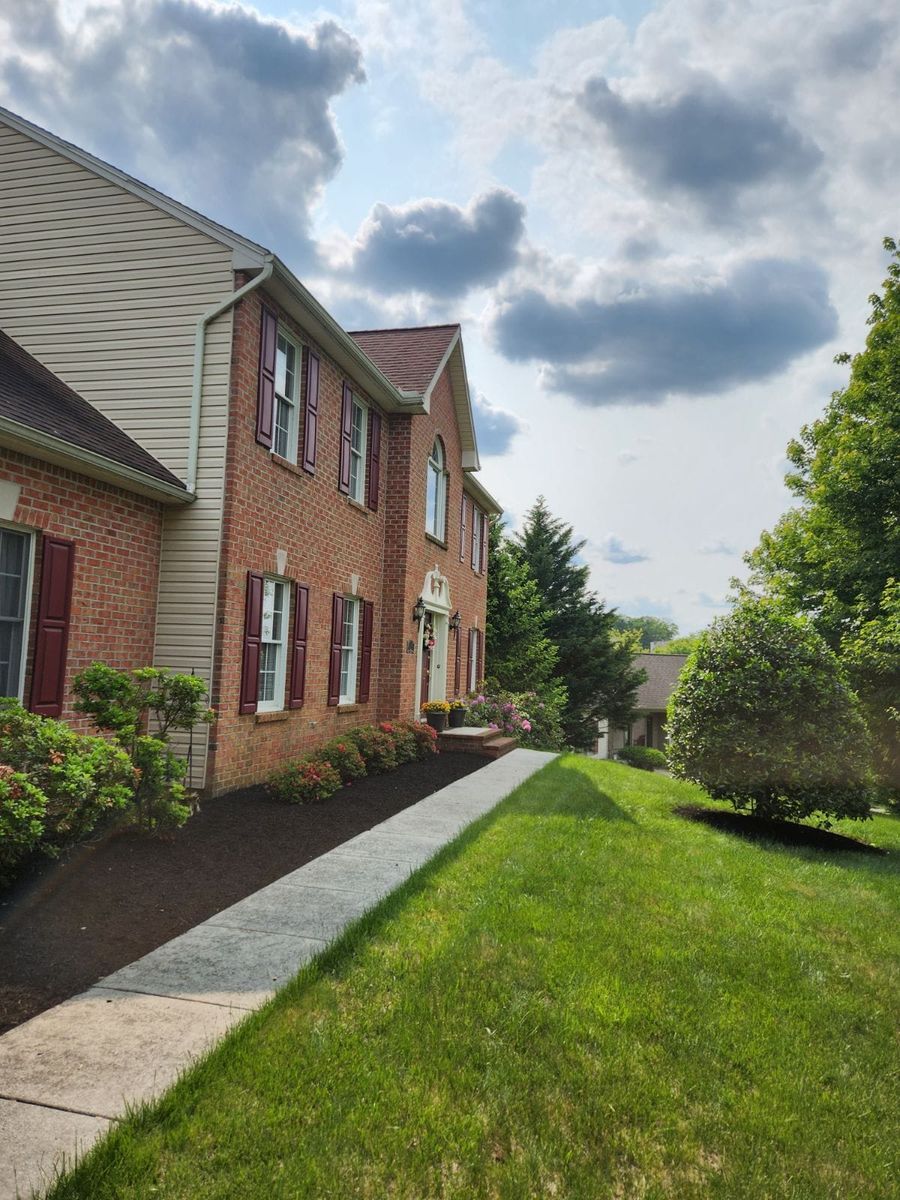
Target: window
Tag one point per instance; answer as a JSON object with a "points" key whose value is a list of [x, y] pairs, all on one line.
{"points": [[349, 644], [272, 646], [474, 638], [357, 451], [436, 492], [284, 438], [15, 556]]}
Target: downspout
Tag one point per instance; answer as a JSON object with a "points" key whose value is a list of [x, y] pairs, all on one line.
{"points": [[199, 352]]}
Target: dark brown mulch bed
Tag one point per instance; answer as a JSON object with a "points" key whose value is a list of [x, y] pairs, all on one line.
{"points": [[762, 829], [70, 922]]}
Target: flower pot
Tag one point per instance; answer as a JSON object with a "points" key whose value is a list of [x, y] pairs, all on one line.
{"points": [[457, 718], [437, 720]]}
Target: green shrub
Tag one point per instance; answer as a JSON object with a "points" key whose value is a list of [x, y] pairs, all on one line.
{"points": [[405, 746], [423, 735], [122, 702], [307, 781], [376, 747], [643, 757], [345, 758], [763, 716], [22, 808], [82, 778]]}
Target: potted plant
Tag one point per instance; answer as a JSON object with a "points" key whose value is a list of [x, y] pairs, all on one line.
{"points": [[436, 713], [457, 714]]}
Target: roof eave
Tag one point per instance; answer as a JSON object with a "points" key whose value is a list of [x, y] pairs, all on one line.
{"points": [[22, 438], [339, 345], [481, 495]]}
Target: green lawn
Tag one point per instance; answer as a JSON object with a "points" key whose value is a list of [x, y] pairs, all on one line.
{"points": [[585, 996]]}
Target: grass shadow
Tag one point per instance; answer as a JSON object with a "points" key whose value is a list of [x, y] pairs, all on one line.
{"points": [[573, 793]]}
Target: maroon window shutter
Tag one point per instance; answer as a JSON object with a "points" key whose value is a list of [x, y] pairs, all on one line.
{"points": [[252, 639], [476, 524], [457, 663], [48, 675], [373, 473], [298, 646], [484, 543], [365, 672], [479, 654], [265, 403], [337, 639], [469, 648], [346, 427], [311, 418], [463, 509]]}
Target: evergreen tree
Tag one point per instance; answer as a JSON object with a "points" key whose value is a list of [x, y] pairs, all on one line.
{"points": [[520, 655], [595, 666]]}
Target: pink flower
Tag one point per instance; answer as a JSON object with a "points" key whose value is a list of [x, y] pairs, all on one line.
{"points": [[526, 725], [479, 699], [493, 725]]}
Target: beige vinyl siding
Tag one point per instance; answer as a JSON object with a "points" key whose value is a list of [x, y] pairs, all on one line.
{"points": [[105, 290]]}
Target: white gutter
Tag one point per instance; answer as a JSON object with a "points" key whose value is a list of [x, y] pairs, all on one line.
{"points": [[199, 352]]}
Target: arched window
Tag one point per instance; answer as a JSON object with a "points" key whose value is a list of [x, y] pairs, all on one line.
{"points": [[436, 491]]}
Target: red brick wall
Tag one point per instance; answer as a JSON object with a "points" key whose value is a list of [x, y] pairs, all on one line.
{"points": [[415, 553], [271, 506], [117, 545]]}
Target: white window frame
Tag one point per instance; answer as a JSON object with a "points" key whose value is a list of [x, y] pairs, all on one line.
{"points": [[28, 575], [473, 659], [292, 401], [358, 485], [436, 473], [349, 651], [276, 703]]}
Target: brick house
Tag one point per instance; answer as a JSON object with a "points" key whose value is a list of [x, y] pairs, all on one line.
{"points": [[305, 529]]}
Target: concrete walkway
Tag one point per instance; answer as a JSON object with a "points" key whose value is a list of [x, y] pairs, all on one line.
{"points": [[68, 1073]]}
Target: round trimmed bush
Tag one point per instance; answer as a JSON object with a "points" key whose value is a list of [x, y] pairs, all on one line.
{"points": [[376, 747], [645, 758], [307, 781], [763, 716], [345, 758]]}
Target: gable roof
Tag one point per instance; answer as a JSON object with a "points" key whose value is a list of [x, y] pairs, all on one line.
{"points": [[410, 357], [34, 399], [662, 675]]}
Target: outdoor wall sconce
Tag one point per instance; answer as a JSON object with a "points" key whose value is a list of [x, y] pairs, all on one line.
{"points": [[455, 621], [419, 611]]}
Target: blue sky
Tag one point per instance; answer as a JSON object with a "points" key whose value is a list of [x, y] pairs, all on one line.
{"points": [[657, 223]]}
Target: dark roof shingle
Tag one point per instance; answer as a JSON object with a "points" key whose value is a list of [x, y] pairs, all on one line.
{"points": [[32, 395], [662, 675], [408, 357]]}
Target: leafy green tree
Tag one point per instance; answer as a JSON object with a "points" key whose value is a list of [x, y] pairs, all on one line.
{"points": [[595, 666], [650, 629], [871, 655], [685, 644], [833, 557], [763, 715], [519, 654]]}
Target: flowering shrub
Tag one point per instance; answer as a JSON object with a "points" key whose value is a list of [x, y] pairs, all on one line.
{"points": [[376, 747], [307, 781], [22, 807], [81, 778], [424, 736], [405, 745], [532, 718], [345, 758]]}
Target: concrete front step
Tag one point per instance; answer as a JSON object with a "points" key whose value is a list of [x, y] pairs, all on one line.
{"points": [[490, 743]]}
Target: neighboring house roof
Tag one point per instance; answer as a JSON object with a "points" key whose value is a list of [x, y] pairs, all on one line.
{"points": [[411, 358], [662, 675], [37, 407]]}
